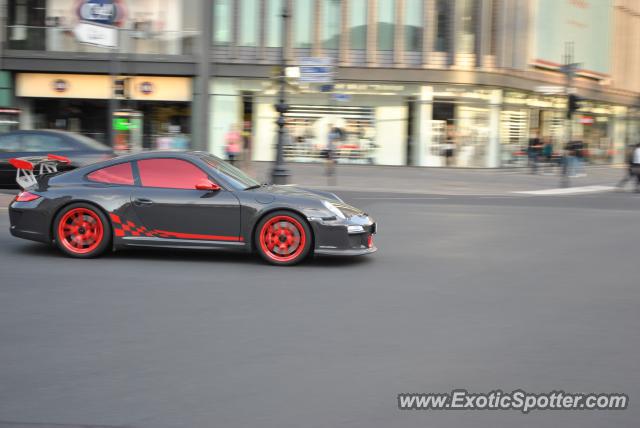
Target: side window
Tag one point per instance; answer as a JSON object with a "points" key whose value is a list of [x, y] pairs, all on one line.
{"points": [[44, 143], [115, 174], [10, 143], [170, 173]]}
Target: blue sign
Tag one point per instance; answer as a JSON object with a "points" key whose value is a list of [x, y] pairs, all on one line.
{"points": [[105, 12], [316, 70]]}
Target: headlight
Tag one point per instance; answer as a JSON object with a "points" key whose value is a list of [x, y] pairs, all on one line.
{"points": [[334, 210]]}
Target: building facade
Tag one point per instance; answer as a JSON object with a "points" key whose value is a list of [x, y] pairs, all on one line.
{"points": [[409, 76]]}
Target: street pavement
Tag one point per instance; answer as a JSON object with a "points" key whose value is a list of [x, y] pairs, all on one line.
{"points": [[467, 291]]}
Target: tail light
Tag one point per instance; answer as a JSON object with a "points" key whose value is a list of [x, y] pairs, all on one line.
{"points": [[26, 197]]}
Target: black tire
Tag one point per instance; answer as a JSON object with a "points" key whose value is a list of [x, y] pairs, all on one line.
{"points": [[283, 238], [89, 231]]}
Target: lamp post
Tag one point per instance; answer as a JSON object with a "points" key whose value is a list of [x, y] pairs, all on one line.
{"points": [[279, 174]]}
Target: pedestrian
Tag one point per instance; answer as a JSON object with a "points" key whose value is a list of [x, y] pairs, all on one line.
{"points": [[333, 138], [533, 151], [570, 159], [635, 166], [449, 145], [628, 171], [547, 152], [581, 158], [232, 144]]}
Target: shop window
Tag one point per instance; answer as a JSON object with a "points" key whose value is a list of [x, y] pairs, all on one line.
{"points": [[170, 173], [386, 24], [358, 24], [115, 174]]}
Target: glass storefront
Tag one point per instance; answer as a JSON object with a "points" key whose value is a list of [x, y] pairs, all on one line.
{"points": [[368, 123]]}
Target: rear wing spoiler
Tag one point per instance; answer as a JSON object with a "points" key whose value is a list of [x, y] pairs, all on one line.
{"points": [[28, 168]]}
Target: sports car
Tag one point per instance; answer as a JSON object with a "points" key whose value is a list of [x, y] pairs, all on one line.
{"points": [[187, 200]]}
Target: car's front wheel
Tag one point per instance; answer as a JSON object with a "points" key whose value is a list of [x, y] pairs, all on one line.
{"points": [[81, 230], [283, 238]]}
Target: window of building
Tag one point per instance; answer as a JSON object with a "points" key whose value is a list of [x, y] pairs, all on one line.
{"points": [[115, 174], [249, 22], [274, 23], [358, 24], [170, 173], [466, 35], [443, 11], [386, 24], [222, 21], [413, 25], [331, 24], [303, 14]]}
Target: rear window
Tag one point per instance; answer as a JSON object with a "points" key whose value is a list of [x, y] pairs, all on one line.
{"points": [[115, 174]]}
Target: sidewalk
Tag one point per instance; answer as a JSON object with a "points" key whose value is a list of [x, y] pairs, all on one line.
{"points": [[416, 180], [444, 181]]}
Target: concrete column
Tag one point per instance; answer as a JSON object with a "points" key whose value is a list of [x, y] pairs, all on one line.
{"points": [[200, 105], [263, 30], [422, 129], [618, 134], [316, 41], [429, 33], [343, 54], [454, 30], [398, 36], [483, 33], [494, 150], [372, 34]]}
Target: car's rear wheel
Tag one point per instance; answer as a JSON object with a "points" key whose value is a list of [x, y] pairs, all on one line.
{"points": [[283, 238], [82, 230]]}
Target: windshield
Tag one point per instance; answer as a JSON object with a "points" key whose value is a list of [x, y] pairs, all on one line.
{"points": [[232, 173]]}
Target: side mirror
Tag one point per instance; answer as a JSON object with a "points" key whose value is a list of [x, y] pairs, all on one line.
{"points": [[207, 185]]}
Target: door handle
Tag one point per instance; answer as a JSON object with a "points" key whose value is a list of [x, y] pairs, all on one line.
{"points": [[142, 201]]}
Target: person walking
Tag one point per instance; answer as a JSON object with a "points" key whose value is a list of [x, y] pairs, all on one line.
{"points": [[628, 171], [635, 166], [533, 151], [449, 145], [547, 153], [232, 144]]}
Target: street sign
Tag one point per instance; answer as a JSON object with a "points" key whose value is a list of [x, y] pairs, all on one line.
{"points": [[97, 35], [548, 89], [316, 70], [341, 97]]}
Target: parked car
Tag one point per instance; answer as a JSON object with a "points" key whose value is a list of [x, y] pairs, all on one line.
{"points": [[79, 149]]}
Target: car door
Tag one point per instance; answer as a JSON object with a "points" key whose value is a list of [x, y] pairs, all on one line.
{"points": [[168, 203]]}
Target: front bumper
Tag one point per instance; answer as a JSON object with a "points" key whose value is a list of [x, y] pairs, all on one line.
{"points": [[333, 237]]}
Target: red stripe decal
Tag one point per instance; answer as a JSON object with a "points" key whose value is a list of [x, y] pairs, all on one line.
{"points": [[198, 236], [115, 218]]}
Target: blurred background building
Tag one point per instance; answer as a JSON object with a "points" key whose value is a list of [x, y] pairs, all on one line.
{"points": [[409, 76]]}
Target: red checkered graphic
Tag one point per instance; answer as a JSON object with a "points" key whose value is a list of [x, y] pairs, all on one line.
{"points": [[129, 228]]}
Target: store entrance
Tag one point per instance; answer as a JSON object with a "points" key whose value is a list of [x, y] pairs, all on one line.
{"points": [[87, 117]]}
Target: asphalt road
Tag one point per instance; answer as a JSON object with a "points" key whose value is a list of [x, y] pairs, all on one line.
{"points": [[538, 293]]}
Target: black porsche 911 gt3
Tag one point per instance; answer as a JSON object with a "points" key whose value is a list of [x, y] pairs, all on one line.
{"points": [[180, 200]]}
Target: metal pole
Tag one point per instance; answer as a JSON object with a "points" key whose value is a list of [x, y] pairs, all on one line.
{"points": [[279, 174]]}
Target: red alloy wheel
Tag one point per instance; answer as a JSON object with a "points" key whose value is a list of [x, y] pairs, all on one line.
{"points": [[80, 230], [282, 238]]}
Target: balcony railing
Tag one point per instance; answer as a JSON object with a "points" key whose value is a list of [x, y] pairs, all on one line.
{"points": [[61, 39]]}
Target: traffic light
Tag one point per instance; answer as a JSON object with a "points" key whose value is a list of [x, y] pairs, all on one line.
{"points": [[572, 105], [121, 88]]}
